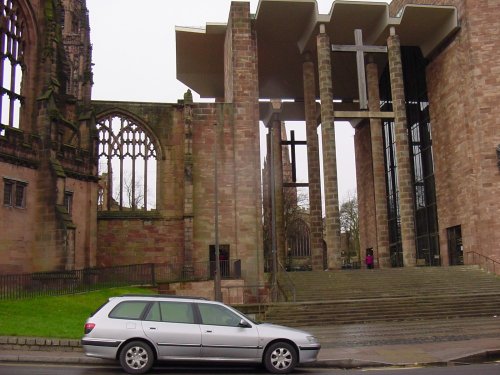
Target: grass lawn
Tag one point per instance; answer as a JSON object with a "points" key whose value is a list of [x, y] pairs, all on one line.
{"points": [[54, 317]]}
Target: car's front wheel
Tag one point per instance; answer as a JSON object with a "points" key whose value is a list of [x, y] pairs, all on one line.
{"points": [[136, 357], [280, 358]]}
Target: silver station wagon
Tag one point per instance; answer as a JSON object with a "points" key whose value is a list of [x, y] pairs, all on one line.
{"points": [[138, 330]]}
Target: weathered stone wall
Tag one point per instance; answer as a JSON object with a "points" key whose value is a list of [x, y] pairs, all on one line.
{"points": [[123, 241], [463, 86], [84, 207], [16, 243], [233, 291], [242, 91], [52, 149], [160, 236]]}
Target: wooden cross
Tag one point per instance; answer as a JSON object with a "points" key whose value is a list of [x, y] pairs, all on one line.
{"points": [[360, 50], [293, 143]]}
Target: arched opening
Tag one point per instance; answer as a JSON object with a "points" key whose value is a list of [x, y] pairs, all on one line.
{"points": [[127, 165], [11, 64]]}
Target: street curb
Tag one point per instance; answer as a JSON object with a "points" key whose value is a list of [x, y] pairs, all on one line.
{"points": [[480, 356], [345, 363], [51, 357]]}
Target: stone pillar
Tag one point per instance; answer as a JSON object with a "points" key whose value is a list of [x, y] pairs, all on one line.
{"points": [[242, 90], [332, 222], [405, 188], [188, 184], [379, 184], [315, 211], [277, 173]]}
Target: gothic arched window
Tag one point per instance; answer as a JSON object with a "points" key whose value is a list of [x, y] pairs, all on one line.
{"points": [[11, 65], [298, 239], [127, 165]]}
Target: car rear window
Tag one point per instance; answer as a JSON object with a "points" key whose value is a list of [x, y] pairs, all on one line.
{"points": [[128, 310]]}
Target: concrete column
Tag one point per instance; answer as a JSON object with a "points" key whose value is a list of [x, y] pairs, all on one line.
{"points": [[379, 184], [405, 188], [332, 222], [315, 211]]}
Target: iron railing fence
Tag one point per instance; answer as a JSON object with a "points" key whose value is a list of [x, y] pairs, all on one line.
{"points": [[285, 290], [88, 279], [196, 271]]}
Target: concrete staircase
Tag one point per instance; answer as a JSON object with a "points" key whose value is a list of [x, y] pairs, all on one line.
{"points": [[360, 296]]}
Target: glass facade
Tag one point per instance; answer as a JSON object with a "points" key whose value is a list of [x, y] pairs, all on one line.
{"points": [[420, 141]]}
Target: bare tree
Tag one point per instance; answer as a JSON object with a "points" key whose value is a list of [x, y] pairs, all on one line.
{"points": [[132, 197], [349, 224]]}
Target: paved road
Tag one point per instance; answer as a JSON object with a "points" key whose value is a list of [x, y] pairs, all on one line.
{"points": [[41, 369]]}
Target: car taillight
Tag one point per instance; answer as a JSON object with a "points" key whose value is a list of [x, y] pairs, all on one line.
{"points": [[89, 327]]}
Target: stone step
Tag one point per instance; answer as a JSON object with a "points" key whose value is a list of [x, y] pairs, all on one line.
{"points": [[374, 311], [346, 297], [311, 319], [387, 282]]}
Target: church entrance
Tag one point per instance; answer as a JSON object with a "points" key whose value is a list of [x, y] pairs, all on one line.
{"points": [[455, 247], [223, 260]]}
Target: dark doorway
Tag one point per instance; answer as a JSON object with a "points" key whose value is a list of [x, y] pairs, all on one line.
{"points": [[223, 260], [455, 247]]}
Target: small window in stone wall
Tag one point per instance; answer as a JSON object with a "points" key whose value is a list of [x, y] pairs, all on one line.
{"points": [[68, 201], [14, 193]]}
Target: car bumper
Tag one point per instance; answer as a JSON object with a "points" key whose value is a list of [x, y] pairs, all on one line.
{"points": [[308, 353], [100, 348]]}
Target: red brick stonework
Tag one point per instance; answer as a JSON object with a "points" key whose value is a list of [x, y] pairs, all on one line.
{"points": [[51, 148], [463, 84]]}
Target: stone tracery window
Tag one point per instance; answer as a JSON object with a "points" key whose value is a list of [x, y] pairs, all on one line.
{"points": [[298, 239], [11, 64], [127, 165]]}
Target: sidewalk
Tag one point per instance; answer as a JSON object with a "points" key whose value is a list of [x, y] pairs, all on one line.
{"points": [[440, 353], [431, 342]]}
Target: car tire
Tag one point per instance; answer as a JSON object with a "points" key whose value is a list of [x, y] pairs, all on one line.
{"points": [[136, 357], [280, 358]]}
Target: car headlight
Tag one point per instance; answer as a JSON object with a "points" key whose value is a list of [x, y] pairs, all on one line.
{"points": [[312, 339]]}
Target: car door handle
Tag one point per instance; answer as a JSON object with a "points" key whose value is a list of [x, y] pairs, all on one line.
{"points": [[208, 331], [152, 327]]}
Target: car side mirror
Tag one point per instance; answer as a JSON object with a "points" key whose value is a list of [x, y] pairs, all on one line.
{"points": [[244, 324]]}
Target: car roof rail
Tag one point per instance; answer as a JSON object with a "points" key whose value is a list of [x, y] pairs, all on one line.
{"points": [[162, 296]]}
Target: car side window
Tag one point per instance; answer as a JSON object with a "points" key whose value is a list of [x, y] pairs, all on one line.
{"points": [[218, 315], [176, 312], [171, 312], [154, 313], [128, 310]]}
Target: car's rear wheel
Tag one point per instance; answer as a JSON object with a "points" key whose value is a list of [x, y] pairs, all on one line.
{"points": [[280, 358], [136, 357]]}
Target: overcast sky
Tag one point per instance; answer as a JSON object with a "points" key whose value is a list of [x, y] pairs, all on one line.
{"points": [[134, 56]]}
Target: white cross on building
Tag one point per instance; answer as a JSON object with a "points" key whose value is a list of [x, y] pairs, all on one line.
{"points": [[360, 50]]}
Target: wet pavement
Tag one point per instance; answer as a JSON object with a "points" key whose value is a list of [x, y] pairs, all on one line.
{"points": [[406, 343]]}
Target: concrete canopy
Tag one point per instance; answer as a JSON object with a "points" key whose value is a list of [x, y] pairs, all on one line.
{"points": [[286, 29]]}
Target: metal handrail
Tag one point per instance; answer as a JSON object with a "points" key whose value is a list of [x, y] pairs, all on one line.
{"points": [[289, 281], [484, 264]]}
